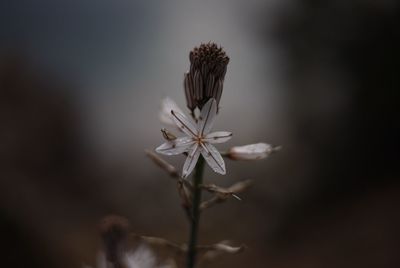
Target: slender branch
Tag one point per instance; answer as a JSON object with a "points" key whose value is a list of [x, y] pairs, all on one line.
{"points": [[198, 179], [170, 169]]}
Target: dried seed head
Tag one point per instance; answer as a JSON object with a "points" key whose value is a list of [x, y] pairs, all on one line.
{"points": [[114, 231], [205, 79]]}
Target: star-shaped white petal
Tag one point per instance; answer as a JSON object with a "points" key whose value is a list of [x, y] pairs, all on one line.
{"points": [[198, 141]]}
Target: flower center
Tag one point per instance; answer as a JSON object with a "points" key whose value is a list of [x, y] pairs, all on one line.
{"points": [[199, 139]]}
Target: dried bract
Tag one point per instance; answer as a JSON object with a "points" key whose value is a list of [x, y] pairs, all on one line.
{"points": [[170, 169], [222, 194], [224, 247], [185, 192], [162, 243]]}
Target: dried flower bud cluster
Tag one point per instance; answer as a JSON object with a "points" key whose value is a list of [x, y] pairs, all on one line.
{"points": [[205, 79]]}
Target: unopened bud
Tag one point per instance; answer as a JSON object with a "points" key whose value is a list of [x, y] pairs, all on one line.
{"points": [[211, 252], [251, 152], [205, 79], [185, 192]]}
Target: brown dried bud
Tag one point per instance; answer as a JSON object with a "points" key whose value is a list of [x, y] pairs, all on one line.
{"points": [[205, 79], [114, 231], [222, 194], [167, 134], [185, 192]]}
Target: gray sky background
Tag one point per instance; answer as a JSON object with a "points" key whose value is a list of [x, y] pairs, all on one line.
{"points": [[125, 56]]}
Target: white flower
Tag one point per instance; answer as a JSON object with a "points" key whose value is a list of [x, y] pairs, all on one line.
{"points": [[251, 151], [198, 140], [142, 257]]}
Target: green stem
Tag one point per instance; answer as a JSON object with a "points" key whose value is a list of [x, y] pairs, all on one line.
{"points": [[198, 179]]}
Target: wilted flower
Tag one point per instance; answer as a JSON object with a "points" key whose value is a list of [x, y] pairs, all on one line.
{"points": [[142, 257], [199, 140], [205, 79], [251, 151], [167, 105], [114, 231]]}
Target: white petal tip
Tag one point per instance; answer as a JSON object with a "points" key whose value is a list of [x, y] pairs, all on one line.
{"points": [[161, 149]]}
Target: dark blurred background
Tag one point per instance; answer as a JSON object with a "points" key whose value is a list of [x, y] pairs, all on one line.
{"points": [[80, 89]]}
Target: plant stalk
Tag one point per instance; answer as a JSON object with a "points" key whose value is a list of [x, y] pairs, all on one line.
{"points": [[194, 228]]}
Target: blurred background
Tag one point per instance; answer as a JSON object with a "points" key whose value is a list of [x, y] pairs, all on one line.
{"points": [[80, 90]]}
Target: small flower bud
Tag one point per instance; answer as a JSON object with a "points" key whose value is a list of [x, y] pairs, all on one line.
{"points": [[251, 151], [205, 79], [211, 252], [185, 192], [168, 135]]}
